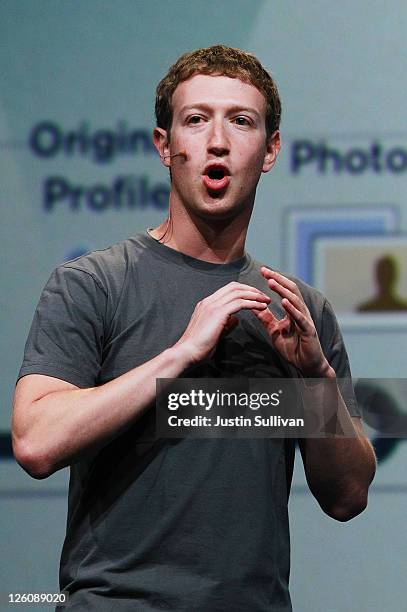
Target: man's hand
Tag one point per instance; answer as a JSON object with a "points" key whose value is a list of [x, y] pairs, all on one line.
{"points": [[294, 336], [214, 315]]}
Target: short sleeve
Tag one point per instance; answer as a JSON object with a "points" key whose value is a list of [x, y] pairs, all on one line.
{"points": [[334, 350], [66, 334]]}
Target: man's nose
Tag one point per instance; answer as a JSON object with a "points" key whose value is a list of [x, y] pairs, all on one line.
{"points": [[218, 141]]}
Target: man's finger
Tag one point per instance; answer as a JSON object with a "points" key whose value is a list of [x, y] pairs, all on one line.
{"points": [[235, 287], [284, 292], [296, 315], [265, 316], [281, 279], [241, 303], [229, 298]]}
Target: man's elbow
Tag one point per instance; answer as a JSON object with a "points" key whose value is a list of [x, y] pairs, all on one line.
{"points": [[346, 511], [33, 461]]}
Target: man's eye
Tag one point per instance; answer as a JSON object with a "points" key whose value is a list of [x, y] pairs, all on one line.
{"points": [[242, 121], [194, 119]]}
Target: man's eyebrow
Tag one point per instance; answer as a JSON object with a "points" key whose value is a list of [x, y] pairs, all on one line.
{"points": [[230, 109]]}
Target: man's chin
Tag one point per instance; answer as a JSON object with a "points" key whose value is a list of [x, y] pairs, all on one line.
{"points": [[218, 212]]}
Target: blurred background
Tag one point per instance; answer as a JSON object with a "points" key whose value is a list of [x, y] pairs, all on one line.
{"points": [[78, 172]]}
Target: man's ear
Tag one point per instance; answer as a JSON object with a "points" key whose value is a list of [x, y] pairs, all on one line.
{"points": [[272, 150], [161, 143]]}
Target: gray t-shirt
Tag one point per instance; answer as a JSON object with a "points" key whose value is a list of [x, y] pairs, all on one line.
{"points": [[153, 524]]}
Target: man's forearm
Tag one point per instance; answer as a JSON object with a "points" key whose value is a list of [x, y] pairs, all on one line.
{"points": [[340, 468], [63, 426]]}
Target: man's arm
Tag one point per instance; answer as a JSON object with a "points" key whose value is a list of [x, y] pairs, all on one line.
{"points": [[56, 423], [338, 469]]}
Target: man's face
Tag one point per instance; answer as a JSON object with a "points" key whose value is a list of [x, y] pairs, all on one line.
{"points": [[220, 122]]}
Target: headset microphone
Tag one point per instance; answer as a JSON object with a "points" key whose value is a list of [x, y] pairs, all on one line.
{"points": [[181, 153]]}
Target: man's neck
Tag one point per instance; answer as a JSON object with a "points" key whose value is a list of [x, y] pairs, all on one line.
{"points": [[208, 240]]}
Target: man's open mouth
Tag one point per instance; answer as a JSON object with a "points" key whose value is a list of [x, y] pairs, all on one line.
{"points": [[216, 178], [216, 173]]}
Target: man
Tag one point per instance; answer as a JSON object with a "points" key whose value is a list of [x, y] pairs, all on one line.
{"points": [[186, 524]]}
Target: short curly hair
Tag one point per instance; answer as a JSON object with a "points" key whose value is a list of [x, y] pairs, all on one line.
{"points": [[223, 61]]}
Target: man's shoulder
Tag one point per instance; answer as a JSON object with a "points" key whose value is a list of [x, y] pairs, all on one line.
{"points": [[108, 266]]}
